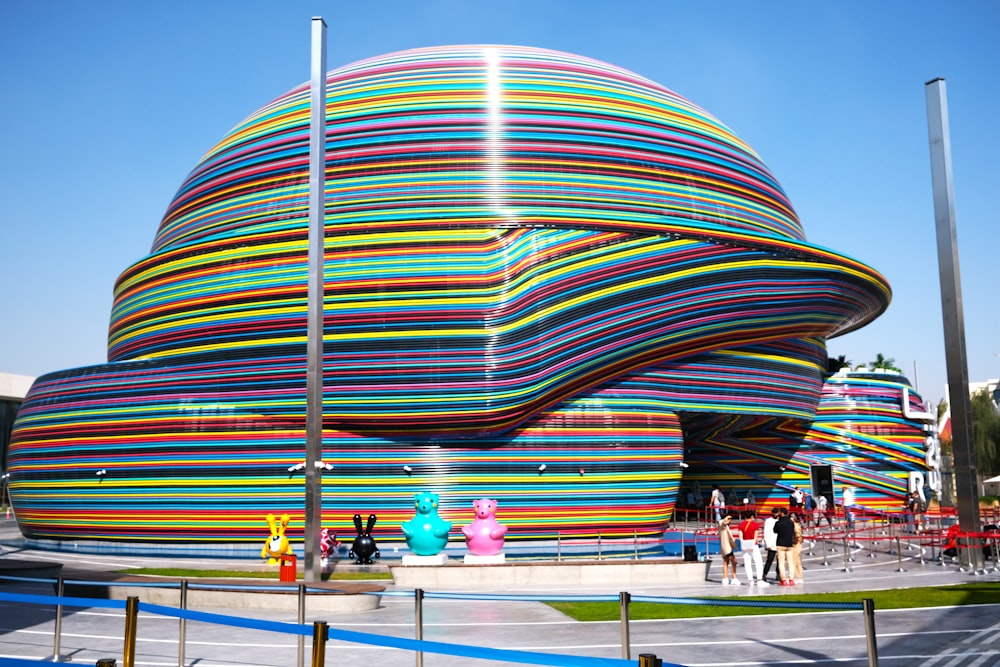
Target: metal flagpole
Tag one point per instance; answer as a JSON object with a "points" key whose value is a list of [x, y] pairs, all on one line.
{"points": [[314, 329], [951, 307]]}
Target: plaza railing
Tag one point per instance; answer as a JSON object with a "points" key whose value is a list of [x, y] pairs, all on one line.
{"points": [[321, 632]]}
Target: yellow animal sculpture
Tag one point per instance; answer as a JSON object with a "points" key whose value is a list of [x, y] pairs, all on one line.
{"points": [[277, 544]]}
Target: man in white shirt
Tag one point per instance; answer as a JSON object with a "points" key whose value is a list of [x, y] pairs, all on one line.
{"points": [[795, 499], [718, 502], [847, 498], [822, 510]]}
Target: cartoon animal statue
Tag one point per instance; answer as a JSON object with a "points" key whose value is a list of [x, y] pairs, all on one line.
{"points": [[328, 542], [484, 536], [426, 533], [364, 544], [276, 544]]}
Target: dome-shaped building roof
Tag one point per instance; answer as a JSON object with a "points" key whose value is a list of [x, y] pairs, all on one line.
{"points": [[485, 136]]}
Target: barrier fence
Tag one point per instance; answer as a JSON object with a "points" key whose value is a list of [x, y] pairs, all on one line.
{"points": [[322, 633], [855, 524]]}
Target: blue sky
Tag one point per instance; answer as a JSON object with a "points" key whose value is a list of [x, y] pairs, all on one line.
{"points": [[108, 104]]}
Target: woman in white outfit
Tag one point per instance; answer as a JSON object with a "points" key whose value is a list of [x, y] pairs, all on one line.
{"points": [[749, 531]]}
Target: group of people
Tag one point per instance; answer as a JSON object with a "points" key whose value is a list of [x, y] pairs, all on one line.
{"points": [[807, 507], [803, 505], [781, 535]]}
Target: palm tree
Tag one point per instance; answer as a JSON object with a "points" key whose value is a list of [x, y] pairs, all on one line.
{"points": [[834, 365], [882, 362]]}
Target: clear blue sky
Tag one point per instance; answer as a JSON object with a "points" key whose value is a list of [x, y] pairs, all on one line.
{"points": [[108, 104]]}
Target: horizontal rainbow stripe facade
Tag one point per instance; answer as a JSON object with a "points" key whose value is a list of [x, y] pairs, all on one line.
{"points": [[532, 258]]}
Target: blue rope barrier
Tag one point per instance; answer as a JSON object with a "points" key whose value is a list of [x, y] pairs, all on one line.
{"points": [[498, 654], [22, 662], [521, 598], [112, 584], [223, 619], [65, 601], [819, 606], [397, 594], [777, 604], [461, 650], [175, 584], [35, 580]]}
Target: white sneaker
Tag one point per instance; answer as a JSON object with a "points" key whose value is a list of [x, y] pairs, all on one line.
{"points": [[734, 582], [725, 582], [761, 582]]}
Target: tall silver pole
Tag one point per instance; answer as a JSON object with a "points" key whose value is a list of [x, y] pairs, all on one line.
{"points": [[951, 307], [314, 333]]}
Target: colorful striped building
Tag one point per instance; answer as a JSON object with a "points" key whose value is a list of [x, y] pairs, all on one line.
{"points": [[548, 280]]}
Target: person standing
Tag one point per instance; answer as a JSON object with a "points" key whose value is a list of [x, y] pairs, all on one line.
{"points": [[823, 510], [847, 498], [727, 547], [797, 550], [749, 531], [718, 502], [915, 508], [795, 499], [809, 508], [785, 531], [770, 543]]}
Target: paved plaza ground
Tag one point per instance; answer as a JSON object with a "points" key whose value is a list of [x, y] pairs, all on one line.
{"points": [[957, 637]]}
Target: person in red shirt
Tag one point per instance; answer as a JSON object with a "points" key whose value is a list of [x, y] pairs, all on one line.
{"points": [[749, 532]]}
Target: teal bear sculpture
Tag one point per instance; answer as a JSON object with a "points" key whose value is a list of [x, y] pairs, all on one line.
{"points": [[426, 533]]}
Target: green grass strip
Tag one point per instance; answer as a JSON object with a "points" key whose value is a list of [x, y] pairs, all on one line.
{"points": [[897, 598]]}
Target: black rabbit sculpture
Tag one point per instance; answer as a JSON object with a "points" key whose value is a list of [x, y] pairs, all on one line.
{"points": [[364, 544]]}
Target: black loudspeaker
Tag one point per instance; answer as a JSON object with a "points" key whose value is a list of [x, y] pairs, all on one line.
{"points": [[690, 552]]}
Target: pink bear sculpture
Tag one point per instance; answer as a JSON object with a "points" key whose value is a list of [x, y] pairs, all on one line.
{"points": [[484, 536]]}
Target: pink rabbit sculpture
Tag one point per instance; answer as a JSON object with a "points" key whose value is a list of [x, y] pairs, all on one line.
{"points": [[484, 536]]}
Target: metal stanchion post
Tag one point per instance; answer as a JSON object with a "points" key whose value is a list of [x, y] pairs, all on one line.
{"points": [[976, 557], [598, 545], [847, 553], [871, 546], [623, 600], [635, 544], [996, 552], [182, 625], [558, 547], [683, 533], [826, 563], [131, 616], [899, 557], [964, 555], [868, 608], [302, 620], [321, 632], [57, 633], [418, 602]]}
